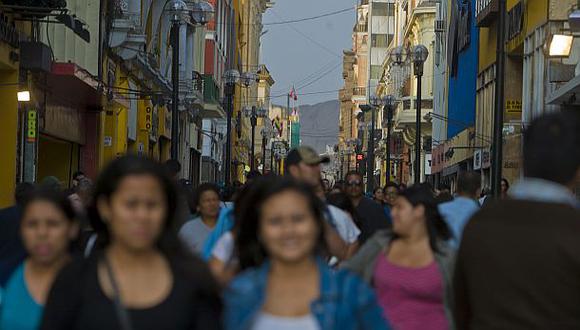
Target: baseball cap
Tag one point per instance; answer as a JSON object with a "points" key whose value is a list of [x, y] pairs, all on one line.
{"points": [[305, 154]]}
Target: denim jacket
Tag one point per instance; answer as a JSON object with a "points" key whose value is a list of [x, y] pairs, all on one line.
{"points": [[345, 302]]}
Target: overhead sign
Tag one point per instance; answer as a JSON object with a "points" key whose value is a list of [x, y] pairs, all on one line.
{"points": [[31, 126], [427, 164]]}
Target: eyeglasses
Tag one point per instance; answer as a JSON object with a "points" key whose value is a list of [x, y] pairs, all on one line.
{"points": [[353, 183]]}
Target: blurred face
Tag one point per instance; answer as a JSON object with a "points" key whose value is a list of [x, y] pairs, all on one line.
{"points": [[406, 218], [288, 229], [78, 179], [354, 186], [136, 212], [390, 195], [504, 186], [309, 174], [209, 204], [46, 232], [379, 195]]}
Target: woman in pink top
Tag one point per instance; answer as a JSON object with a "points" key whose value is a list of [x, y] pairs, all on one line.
{"points": [[411, 266]]}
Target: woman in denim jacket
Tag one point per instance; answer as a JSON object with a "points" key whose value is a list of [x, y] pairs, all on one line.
{"points": [[285, 283]]}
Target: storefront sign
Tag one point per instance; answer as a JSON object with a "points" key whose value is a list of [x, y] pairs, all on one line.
{"points": [[477, 160], [427, 164], [31, 131], [515, 21], [513, 106], [148, 118]]}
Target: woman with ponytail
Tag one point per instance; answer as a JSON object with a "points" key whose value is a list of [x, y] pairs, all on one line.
{"points": [[410, 266]]}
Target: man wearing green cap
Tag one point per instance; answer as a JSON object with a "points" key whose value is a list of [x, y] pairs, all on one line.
{"points": [[304, 164]]}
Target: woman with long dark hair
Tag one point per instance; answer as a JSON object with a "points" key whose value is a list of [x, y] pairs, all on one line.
{"points": [[47, 228], [142, 279], [411, 266], [286, 283]]}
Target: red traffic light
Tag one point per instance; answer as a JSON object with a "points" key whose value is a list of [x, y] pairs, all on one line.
{"points": [[360, 157]]}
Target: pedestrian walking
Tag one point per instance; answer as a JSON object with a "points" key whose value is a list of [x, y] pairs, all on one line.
{"points": [[143, 279], [195, 231], [519, 259], [47, 228], [12, 252], [411, 266], [457, 212], [391, 192], [304, 165], [372, 215], [286, 284]]}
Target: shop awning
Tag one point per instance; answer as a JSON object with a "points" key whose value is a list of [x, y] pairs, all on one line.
{"points": [[72, 85]]}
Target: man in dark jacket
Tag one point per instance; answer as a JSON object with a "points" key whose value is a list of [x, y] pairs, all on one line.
{"points": [[371, 215], [11, 250], [518, 265]]}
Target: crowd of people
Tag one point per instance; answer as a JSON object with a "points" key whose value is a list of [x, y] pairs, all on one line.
{"points": [[140, 249]]}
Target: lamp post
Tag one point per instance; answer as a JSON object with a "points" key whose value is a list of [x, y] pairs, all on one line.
{"points": [[231, 78], [254, 113], [267, 133], [390, 103], [417, 56], [201, 13]]}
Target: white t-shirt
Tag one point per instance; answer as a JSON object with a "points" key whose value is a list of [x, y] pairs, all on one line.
{"points": [[224, 248], [345, 227], [266, 321]]}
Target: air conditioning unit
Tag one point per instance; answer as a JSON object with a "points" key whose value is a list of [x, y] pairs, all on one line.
{"points": [[439, 26]]}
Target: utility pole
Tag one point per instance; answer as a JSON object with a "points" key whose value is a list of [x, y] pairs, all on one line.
{"points": [[175, 94], [499, 103]]}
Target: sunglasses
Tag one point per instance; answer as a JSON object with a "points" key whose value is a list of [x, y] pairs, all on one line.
{"points": [[353, 183]]}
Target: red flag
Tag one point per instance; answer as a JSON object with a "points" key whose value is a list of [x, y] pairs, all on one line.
{"points": [[293, 94]]}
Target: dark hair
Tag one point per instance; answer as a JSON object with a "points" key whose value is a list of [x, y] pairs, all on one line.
{"points": [[77, 174], [391, 184], [204, 187], [552, 147], [253, 175], [22, 191], [421, 194], [349, 173], [57, 199], [173, 167], [108, 183], [250, 251], [168, 242], [507, 183], [377, 189], [468, 183], [343, 202]]}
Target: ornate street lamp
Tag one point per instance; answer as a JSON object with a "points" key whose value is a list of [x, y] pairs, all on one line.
{"points": [[253, 114], [390, 103], [417, 56], [178, 11], [230, 78]]}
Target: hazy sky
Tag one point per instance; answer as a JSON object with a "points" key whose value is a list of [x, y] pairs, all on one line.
{"points": [[300, 54]]}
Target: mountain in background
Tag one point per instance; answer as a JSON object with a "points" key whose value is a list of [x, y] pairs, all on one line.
{"points": [[319, 124]]}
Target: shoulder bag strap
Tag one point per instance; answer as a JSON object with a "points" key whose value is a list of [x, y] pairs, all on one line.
{"points": [[121, 311]]}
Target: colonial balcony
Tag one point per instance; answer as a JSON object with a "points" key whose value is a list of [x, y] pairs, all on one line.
{"points": [[359, 93], [211, 97], [127, 36], [486, 12], [405, 115]]}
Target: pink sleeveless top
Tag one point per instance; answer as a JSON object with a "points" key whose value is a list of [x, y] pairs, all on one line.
{"points": [[411, 298]]}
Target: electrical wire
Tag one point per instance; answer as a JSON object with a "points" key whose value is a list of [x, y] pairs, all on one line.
{"points": [[310, 18]]}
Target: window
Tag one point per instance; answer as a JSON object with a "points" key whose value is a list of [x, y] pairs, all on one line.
{"points": [[376, 72], [381, 40], [383, 9]]}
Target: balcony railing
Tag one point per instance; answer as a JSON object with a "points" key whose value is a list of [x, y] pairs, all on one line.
{"points": [[359, 91], [211, 91], [486, 11]]}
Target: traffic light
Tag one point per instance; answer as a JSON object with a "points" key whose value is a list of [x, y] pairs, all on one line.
{"points": [[360, 157]]}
